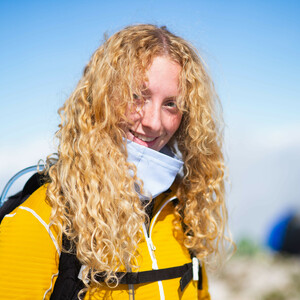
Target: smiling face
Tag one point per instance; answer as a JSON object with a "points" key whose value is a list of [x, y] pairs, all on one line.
{"points": [[156, 117]]}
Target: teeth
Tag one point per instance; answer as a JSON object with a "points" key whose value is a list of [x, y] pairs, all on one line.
{"points": [[142, 137]]}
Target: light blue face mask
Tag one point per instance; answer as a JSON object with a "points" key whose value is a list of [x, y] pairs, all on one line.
{"points": [[156, 169]]}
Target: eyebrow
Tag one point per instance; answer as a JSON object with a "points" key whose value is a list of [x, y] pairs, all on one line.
{"points": [[147, 92]]}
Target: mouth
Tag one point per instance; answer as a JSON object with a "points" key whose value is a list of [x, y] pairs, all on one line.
{"points": [[142, 139]]}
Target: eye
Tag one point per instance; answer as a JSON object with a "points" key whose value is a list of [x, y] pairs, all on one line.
{"points": [[138, 103], [171, 103], [135, 97]]}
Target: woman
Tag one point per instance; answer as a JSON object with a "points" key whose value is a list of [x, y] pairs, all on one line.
{"points": [[138, 183]]}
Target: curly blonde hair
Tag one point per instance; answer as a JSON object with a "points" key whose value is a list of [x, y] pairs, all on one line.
{"points": [[94, 203]]}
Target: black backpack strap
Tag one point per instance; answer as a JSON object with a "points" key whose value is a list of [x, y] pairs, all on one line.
{"points": [[33, 183], [67, 284], [184, 272]]}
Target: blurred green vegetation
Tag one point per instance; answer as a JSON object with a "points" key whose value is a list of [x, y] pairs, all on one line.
{"points": [[247, 247]]}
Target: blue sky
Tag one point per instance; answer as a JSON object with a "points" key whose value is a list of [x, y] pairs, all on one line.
{"points": [[251, 47]]}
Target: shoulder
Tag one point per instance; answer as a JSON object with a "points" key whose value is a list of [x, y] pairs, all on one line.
{"points": [[37, 205], [30, 219], [28, 246]]}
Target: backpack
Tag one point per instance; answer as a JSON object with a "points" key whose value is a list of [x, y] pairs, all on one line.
{"points": [[68, 284]]}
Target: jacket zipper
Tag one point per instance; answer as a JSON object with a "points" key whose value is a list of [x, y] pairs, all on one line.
{"points": [[151, 247]]}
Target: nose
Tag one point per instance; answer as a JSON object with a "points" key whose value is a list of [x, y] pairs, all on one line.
{"points": [[151, 118]]}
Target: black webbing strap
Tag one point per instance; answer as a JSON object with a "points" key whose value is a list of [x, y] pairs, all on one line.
{"points": [[200, 279], [67, 284], [185, 272]]}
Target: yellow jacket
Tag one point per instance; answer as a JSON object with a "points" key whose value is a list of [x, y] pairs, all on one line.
{"points": [[29, 255]]}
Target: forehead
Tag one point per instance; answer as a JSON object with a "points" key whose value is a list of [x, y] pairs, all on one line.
{"points": [[163, 74]]}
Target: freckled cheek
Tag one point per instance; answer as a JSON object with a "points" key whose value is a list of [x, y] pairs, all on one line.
{"points": [[173, 123]]}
